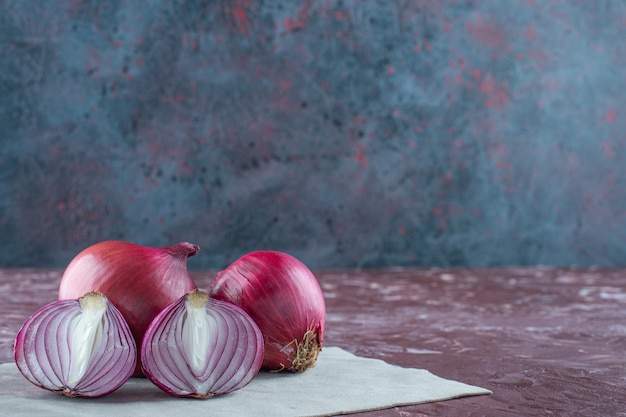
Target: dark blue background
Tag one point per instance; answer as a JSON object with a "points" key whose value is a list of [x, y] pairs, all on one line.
{"points": [[348, 133]]}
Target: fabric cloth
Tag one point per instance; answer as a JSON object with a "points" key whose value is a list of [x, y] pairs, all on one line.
{"points": [[340, 383]]}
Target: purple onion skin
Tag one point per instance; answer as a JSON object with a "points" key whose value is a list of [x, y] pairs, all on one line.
{"points": [[233, 350], [42, 350], [285, 300]]}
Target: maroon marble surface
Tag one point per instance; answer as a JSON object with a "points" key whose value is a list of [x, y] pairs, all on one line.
{"points": [[547, 342]]}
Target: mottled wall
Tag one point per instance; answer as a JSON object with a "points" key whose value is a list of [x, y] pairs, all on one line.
{"points": [[348, 133]]}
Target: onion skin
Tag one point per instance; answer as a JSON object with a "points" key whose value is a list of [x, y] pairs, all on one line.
{"points": [[285, 300], [44, 352], [139, 280], [200, 347]]}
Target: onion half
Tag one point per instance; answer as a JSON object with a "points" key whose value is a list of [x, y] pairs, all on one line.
{"points": [[285, 300], [78, 348], [199, 347]]}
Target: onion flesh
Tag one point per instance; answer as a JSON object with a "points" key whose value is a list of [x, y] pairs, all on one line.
{"points": [[200, 347], [285, 300], [77, 348], [139, 280]]}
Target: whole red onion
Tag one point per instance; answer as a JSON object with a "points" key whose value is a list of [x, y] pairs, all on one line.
{"points": [[139, 280], [285, 300]]}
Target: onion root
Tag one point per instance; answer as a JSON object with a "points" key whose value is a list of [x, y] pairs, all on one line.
{"points": [[306, 352]]}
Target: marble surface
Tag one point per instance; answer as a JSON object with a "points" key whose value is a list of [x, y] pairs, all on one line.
{"points": [[349, 133], [546, 341]]}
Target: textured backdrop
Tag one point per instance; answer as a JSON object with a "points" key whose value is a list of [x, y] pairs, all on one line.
{"points": [[348, 133]]}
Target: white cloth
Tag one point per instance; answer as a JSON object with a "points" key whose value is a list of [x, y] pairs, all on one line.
{"points": [[340, 383]]}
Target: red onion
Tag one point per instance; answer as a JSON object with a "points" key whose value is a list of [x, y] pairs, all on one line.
{"points": [[139, 280], [199, 347], [285, 300], [78, 348]]}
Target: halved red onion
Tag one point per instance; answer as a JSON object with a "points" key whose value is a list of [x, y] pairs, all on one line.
{"points": [[199, 347], [78, 348], [285, 300]]}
